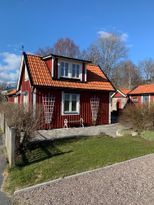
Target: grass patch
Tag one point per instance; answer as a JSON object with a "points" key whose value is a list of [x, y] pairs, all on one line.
{"points": [[51, 160], [148, 135]]}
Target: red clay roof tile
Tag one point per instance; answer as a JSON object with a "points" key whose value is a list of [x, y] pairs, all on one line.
{"points": [[143, 89], [41, 76]]}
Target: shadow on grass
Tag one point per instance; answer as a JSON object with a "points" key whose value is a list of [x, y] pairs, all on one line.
{"points": [[39, 151]]}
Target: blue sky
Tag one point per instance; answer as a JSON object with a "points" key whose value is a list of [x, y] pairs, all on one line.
{"points": [[39, 23]]}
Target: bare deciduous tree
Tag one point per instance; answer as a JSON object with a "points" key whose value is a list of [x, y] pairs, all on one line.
{"points": [[108, 51], [92, 54], [147, 66], [66, 47], [112, 50], [44, 51], [63, 46], [127, 75]]}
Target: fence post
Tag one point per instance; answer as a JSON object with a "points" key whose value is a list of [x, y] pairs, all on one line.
{"points": [[12, 146]]}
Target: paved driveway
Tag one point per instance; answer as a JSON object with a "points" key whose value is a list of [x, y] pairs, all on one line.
{"points": [[4, 200], [126, 183]]}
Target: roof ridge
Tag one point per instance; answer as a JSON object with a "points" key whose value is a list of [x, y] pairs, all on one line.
{"points": [[146, 84], [31, 54]]}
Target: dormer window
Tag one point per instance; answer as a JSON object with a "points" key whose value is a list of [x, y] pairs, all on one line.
{"points": [[70, 70], [75, 70], [64, 69]]}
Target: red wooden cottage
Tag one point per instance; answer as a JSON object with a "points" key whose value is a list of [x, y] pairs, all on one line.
{"points": [[142, 94], [72, 91], [120, 99]]}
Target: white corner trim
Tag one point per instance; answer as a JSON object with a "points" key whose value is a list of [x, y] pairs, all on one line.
{"points": [[34, 101], [52, 68], [141, 99], [149, 98], [110, 94], [20, 71], [85, 75]]}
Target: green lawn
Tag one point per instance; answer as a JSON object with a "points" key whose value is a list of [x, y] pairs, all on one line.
{"points": [[148, 135], [60, 158]]}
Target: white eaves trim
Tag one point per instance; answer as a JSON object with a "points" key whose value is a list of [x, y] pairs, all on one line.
{"points": [[20, 71], [118, 92]]}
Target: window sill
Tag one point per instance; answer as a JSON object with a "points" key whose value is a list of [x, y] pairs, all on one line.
{"points": [[70, 113], [68, 78]]}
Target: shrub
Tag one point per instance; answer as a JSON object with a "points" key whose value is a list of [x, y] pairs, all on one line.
{"points": [[139, 117], [25, 119]]}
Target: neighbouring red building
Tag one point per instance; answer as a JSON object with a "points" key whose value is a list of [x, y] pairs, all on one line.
{"points": [[142, 94], [71, 91], [11, 96], [120, 99]]}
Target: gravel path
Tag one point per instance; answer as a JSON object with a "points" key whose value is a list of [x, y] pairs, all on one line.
{"points": [[126, 183]]}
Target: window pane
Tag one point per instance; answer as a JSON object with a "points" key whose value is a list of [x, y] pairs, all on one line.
{"points": [[66, 102], [74, 106], [66, 106], [74, 102], [66, 69], [62, 69], [74, 97], [67, 97], [145, 98], [77, 71], [73, 70]]}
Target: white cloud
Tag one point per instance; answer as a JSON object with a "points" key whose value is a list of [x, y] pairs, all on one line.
{"points": [[9, 66], [124, 36], [104, 34]]}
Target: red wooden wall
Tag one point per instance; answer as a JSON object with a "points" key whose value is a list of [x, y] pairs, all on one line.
{"points": [[85, 109], [10, 99]]}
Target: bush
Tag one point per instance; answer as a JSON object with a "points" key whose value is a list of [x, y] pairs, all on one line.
{"points": [[139, 117], [25, 119]]}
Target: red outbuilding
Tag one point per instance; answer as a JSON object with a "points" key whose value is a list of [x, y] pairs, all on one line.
{"points": [[71, 91], [120, 99], [142, 94], [11, 96]]}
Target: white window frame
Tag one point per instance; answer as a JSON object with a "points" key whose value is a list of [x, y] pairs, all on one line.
{"points": [[70, 112], [70, 67]]}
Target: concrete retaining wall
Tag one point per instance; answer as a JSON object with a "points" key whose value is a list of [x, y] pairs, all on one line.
{"points": [[10, 138], [2, 122], [109, 130]]}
